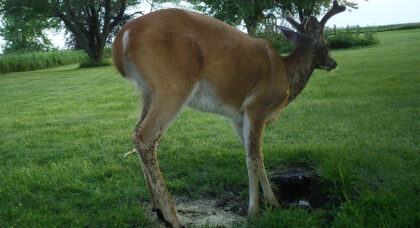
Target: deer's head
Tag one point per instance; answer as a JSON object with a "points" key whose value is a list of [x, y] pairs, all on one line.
{"points": [[311, 35]]}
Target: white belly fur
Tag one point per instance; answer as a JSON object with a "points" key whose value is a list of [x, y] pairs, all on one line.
{"points": [[205, 99]]}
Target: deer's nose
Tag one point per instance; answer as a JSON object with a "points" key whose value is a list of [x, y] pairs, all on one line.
{"points": [[334, 64]]}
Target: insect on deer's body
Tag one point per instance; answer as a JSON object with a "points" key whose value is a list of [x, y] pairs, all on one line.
{"points": [[181, 58]]}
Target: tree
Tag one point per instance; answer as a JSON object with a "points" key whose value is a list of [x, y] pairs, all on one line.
{"points": [[26, 38], [73, 43], [24, 32], [91, 22], [253, 12], [306, 8], [234, 12]]}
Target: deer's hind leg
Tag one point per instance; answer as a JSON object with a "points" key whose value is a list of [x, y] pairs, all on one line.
{"points": [[147, 102], [165, 107]]}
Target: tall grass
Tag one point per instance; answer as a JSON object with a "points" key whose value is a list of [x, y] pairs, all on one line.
{"points": [[42, 60]]}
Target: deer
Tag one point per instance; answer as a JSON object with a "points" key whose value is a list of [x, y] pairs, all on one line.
{"points": [[181, 58]]}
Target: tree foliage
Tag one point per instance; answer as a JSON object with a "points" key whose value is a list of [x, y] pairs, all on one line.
{"points": [[253, 12], [23, 30], [306, 8], [234, 12], [90, 21]]}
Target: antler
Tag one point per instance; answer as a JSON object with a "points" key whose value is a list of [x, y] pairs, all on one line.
{"points": [[333, 11], [299, 26]]}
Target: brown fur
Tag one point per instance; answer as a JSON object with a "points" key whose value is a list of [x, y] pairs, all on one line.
{"points": [[174, 50]]}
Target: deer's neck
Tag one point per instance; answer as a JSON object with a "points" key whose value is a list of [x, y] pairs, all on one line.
{"points": [[299, 66]]}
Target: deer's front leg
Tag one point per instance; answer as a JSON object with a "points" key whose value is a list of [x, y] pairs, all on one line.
{"points": [[253, 128], [255, 151], [268, 192]]}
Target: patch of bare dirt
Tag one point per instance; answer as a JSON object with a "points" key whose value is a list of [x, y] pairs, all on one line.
{"points": [[293, 187], [225, 211]]}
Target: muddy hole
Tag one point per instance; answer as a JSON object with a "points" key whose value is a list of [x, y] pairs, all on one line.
{"points": [[300, 186], [297, 186]]}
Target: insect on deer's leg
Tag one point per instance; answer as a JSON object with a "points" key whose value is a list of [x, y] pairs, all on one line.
{"points": [[164, 109], [253, 129]]}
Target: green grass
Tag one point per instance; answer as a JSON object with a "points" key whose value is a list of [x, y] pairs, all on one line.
{"points": [[91, 63], [63, 132]]}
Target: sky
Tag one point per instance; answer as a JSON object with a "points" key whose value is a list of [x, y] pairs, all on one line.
{"points": [[379, 12], [369, 13]]}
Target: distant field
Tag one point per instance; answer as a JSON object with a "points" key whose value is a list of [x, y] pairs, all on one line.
{"points": [[63, 132], [385, 28]]}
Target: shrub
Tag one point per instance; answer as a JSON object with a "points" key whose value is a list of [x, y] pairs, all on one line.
{"points": [[107, 53], [278, 40], [348, 38], [269, 32], [337, 37]]}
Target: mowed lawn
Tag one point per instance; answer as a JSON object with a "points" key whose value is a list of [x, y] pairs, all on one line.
{"points": [[63, 132]]}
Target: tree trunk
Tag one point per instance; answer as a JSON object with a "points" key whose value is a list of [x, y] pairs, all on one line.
{"points": [[96, 53], [250, 27], [91, 31]]}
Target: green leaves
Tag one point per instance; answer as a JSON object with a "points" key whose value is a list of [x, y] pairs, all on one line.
{"points": [[90, 22], [24, 29], [253, 12]]}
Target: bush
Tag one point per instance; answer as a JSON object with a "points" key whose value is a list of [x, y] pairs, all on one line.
{"points": [[338, 38], [268, 32], [107, 53], [278, 40], [348, 38]]}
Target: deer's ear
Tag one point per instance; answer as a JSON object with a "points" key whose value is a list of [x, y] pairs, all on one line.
{"points": [[291, 35]]}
